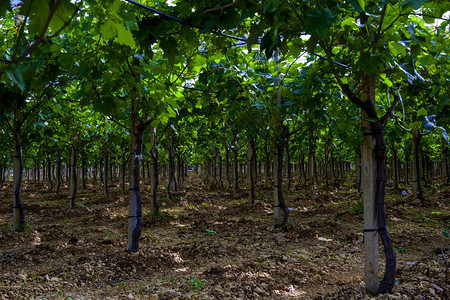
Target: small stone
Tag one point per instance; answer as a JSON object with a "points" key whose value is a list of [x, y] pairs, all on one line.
{"points": [[218, 289], [130, 296], [55, 279], [298, 271], [171, 294], [46, 277], [259, 291]]}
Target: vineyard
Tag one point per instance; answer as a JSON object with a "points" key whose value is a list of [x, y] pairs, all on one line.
{"points": [[269, 149]]}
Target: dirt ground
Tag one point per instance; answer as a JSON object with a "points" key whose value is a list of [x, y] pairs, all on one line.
{"points": [[212, 244]]}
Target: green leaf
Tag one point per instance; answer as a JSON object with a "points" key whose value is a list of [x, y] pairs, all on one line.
{"points": [[288, 103], [211, 232], [422, 112], [62, 15], [39, 11], [259, 104], [429, 123], [270, 6], [108, 30], [170, 48], [445, 233], [411, 30], [361, 4], [124, 36], [349, 22], [345, 125], [357, 6], [386, 80], [311, 45], [105, 105], [268, 44], [369, 63], [66, 59], [199, 61], [15, 76], [320, 21], [396, 48], [4, 6], [416, 4], [189, 36]]}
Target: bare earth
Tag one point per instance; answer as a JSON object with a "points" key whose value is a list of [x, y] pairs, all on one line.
{"points": [[212, 244]]}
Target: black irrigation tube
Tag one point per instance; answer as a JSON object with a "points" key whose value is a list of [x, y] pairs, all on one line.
{"points": [[335, 62], [197, 89], [168, 17]]}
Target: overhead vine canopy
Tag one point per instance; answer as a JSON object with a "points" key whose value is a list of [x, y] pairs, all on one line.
{"points": [[227, 87]]}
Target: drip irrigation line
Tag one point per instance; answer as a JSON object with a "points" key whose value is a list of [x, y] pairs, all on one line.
{"points": [[168, 17], [196, 89], [334, 62], [376, 229]]}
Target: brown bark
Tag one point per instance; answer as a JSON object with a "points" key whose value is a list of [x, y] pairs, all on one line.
{"points": [[73, 171], [105, 166], [18, 211], [251, 169], [58, 171], [154, 174]]}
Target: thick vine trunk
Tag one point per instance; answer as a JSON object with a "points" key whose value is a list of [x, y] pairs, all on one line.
{"points": [[123, 169], [134, 193], [36, 171], [374, 191], [220, 170], [58, 171], [18, 211], [311, 162], [67, 167], [227, 166], [111, 174], [300, 166], [416, 180], [267, 164], [446, 172], [388, 281], [288, 165], [358, 167], [171, 179], [326, 158], [101, 170], [280, 205], [235, 166], [83, 170], [395, 166], [49, 172], [279, 143], [368, 193], [406, 167], [251, 169], [106, 166], [154, 174], [179, 166], [73, 171], [43, 172]]}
